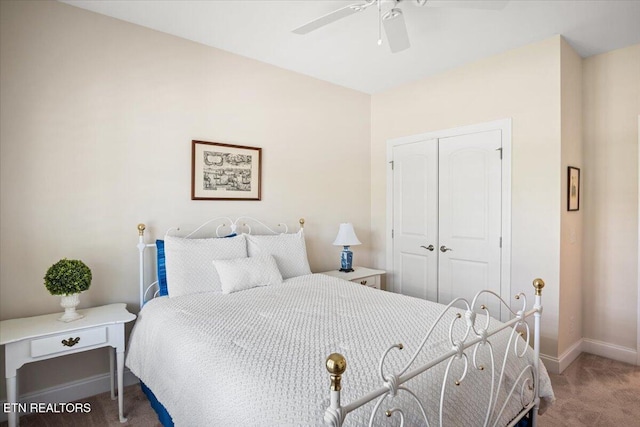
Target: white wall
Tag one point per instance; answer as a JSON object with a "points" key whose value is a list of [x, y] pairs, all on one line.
{"points": [[97, 117], [571, 234], [523, 84], [611, 92]]}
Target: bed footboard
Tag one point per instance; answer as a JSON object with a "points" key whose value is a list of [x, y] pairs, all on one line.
{"points": [[526, 384]]}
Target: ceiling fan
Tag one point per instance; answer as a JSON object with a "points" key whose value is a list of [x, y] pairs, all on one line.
{"points": [[393, 18]]}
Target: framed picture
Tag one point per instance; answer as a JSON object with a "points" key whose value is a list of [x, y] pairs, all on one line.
{"points": [[225, 171], [573, 195]]}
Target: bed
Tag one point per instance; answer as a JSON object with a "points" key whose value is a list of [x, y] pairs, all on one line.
{"points": [[292, 351]]}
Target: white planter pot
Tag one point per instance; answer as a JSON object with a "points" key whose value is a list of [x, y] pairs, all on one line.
{"points": [[69, 303]]}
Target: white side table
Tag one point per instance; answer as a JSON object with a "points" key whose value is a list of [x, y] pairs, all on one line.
{"points": [[31, 339], [365, 276]]}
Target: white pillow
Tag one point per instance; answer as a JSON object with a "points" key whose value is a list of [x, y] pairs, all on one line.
{"points": [[246, 273], [288, 250], [189, 268]]}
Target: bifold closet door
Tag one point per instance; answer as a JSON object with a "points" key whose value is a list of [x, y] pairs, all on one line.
{"points": [[415, 219], [469, 216]]}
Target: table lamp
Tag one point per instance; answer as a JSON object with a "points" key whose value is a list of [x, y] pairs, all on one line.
{"points": [[346, 237]]}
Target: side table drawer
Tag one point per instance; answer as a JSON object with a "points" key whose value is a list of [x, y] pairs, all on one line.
{"points": [[67, 341], [370, 281]]}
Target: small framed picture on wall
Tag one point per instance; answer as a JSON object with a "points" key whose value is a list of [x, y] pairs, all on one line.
{"points": [[573, 184], [225, 171]]}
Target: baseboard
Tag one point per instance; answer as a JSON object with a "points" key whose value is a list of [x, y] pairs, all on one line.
{"points": [[72, 391], [551, 363], [556, 365], [610, 351]]}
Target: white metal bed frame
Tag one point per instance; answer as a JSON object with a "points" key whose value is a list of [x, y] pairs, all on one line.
{"points": [[474, 337]]}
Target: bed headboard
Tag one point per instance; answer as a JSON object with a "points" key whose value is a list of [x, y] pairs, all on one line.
{"points": [[222, 226]]}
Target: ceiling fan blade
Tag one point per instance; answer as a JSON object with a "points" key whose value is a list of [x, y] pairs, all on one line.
{"points": [[468, 4], [331, 17], [396, 30]]}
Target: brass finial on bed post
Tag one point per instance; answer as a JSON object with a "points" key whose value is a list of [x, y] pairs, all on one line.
{"points": [[336, 365], [141, 228], [538, 284], [301, 221]]}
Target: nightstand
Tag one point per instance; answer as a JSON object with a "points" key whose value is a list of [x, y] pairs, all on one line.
{"points": [[31, 339], [365, 276]]}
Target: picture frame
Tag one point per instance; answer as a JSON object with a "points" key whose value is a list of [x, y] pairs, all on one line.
{"points": [[573, 188], [225, 171]]}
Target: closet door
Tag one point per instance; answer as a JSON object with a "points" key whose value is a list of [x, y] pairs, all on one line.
{"points": [[469, 212], [415, 219]]}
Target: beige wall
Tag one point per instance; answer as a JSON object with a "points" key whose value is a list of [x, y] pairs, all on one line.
{"points": [[97, 118], [611, 92], [522, 84], [570, 323]]}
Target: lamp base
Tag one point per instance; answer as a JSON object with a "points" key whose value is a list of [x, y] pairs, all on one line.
{"points": [[346, 257]]}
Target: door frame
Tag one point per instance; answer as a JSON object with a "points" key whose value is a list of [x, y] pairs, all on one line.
{"points": [[504, 125], [638, 308]]}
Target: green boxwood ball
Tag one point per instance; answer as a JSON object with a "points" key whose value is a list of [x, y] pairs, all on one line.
{"points": [[67, 276]]}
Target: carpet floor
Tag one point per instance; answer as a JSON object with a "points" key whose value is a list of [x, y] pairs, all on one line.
{"points": [[592, 391]]}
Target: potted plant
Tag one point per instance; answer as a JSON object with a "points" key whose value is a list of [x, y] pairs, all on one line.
{"points": [[67, 278]]}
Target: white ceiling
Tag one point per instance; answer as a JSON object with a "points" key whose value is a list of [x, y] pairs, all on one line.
{"points": [[346, 52]]}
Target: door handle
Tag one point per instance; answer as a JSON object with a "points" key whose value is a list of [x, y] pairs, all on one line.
{"points": [[443, 248], [429, 248]]}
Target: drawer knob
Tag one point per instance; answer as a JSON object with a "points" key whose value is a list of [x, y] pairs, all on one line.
{"points": [[363, 282], [71, 342]]}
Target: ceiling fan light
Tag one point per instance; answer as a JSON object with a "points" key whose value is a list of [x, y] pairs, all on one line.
{"points": [[421, 2]]}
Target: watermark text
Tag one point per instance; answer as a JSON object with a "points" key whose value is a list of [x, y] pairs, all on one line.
{"points": [[56, 408]]}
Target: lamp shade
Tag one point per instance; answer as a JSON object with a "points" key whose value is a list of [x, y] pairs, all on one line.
{"points": [[346, 236]]}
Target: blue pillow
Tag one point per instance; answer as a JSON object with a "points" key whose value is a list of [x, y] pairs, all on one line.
{"points": [[162, 267]]}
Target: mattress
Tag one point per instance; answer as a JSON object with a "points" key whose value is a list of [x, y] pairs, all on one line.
{"points": [[256, 357]]}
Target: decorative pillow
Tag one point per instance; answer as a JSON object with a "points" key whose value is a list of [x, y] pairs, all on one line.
{"points": [[288, 250], [188, 261], [246, 273]]}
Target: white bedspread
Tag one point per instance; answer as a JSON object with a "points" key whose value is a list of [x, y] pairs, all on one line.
{"points": [[256, 357]]}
